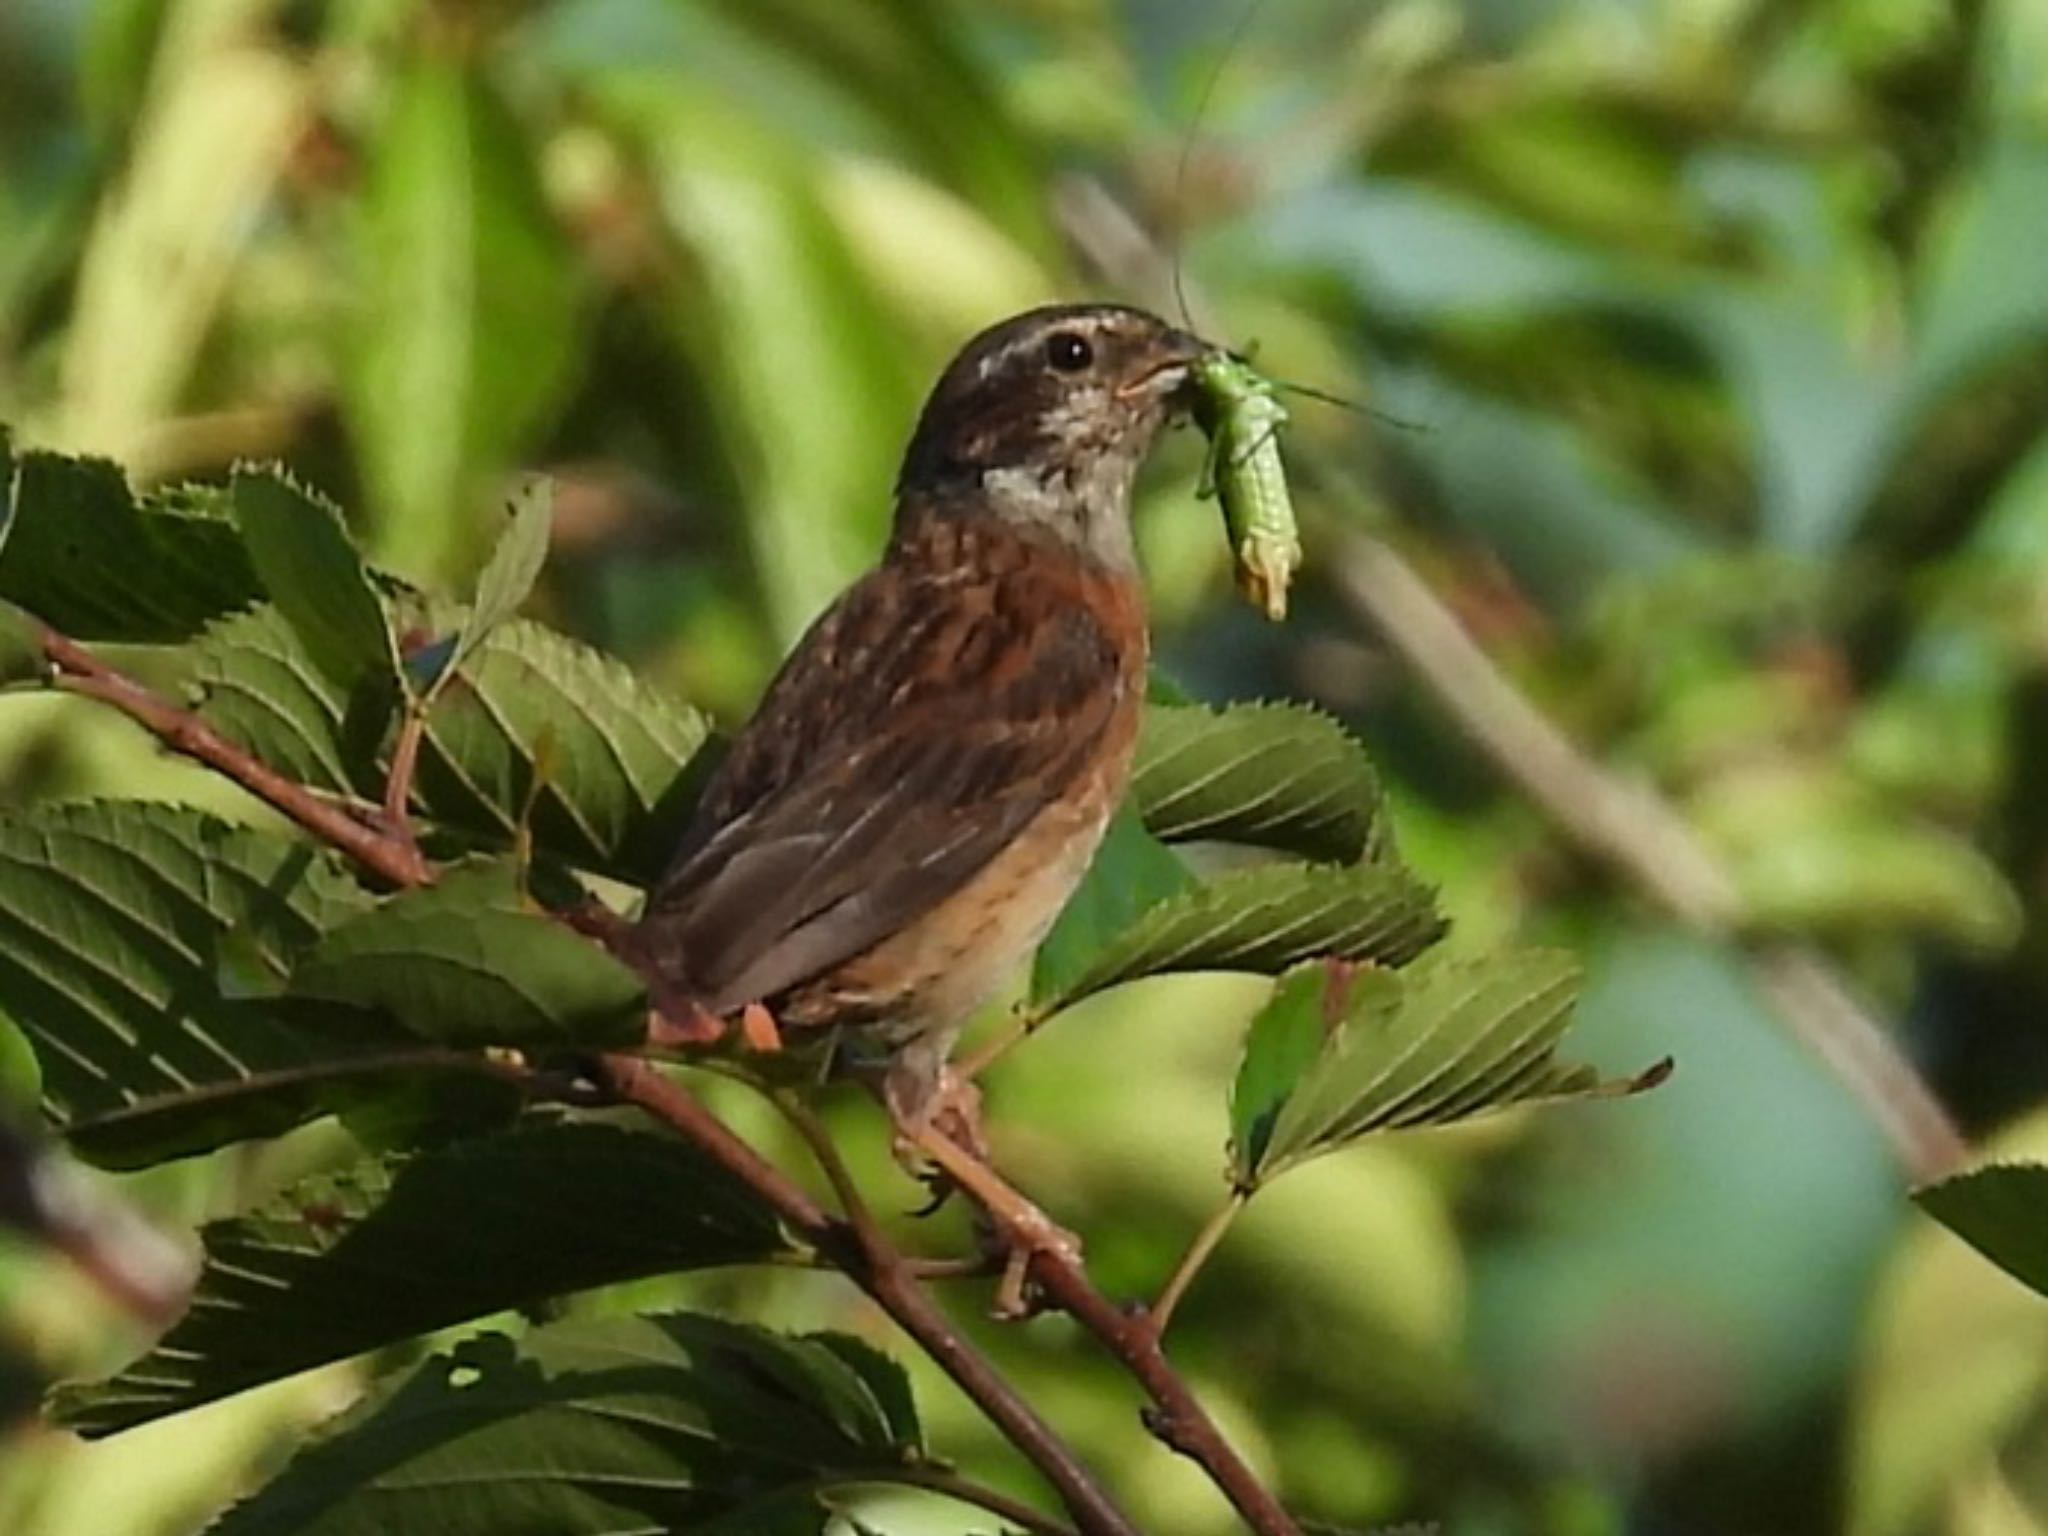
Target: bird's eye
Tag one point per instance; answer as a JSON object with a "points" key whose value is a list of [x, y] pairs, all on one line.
{"points": [[1068, 352]]}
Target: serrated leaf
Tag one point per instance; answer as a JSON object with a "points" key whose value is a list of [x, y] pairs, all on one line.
{"points": [[508, 576], [1281, 1045], [141, 947], [545, 732], [254, 681], [80, 553], [397, 1246], [1438, 1041], [1264, 919], [467, 326], [680, 1423], [1131, 872], [2001, 1210], [1272, 775], [310, 568], [471, 961]]}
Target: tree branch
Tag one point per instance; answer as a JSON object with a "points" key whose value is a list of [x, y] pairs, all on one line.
{"points": [[868, 1260], [878, 1269], [1176, 1417], [74, 669], [858, 1249]]}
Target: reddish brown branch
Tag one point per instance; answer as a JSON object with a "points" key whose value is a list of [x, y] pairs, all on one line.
{"points": [[858, 1249], [1176, 1417], [77, 670], [880, 1270]]}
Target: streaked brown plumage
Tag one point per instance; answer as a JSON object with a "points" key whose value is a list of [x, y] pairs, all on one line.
{"points": [[933, 767]]}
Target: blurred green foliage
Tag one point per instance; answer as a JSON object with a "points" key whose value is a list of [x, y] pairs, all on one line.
{"points": [[1722, 327]]}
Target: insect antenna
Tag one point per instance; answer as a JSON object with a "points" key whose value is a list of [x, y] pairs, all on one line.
{"points": [[1178, 231], [1356, 407]]}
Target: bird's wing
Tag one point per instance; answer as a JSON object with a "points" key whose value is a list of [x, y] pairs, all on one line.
{"points": [[920, 726]]}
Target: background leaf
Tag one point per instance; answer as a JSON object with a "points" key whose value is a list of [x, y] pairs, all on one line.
{"points": [[472, 961], [397, 1246], [679, 1423], [468, 322]]}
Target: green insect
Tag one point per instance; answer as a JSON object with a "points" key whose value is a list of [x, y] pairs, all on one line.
{"points": [[1240, 413]]}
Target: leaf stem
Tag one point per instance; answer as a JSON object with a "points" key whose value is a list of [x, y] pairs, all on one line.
{"points": [[1161, 1311]]}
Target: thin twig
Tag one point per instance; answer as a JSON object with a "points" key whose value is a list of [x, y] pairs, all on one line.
{"points": [[1636, 832], [882, 1272], [865, 1256], [77, 670], [868, 1260], [1177, 1418], [405, 756], [1161, 1311]]}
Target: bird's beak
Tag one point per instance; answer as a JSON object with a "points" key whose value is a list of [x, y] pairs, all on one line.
{"points": [[1167, 373]]}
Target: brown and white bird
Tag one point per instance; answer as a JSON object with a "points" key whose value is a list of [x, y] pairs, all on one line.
{"points": [[932, 769]]}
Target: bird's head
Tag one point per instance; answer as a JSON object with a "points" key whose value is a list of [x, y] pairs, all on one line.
{"points": [[1045, 418]]}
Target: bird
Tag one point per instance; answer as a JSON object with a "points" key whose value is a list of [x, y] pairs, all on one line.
{"points": [[932, 768]]}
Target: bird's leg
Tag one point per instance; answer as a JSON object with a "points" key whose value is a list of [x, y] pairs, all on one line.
{"points": [[939, 1137]]}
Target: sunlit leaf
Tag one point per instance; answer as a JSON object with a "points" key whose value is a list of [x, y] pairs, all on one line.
{"points": [[1342, 1051], [309, 567], [1262, 919], [21, 652], [678, 1423], [397, 1246], [546, 733], [253, 680], [1131, 873], [141, 950], [82, 554], [1273, 775], [508, 576], [471, 961]]}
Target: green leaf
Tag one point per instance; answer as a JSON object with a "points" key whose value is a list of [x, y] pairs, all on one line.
{"points": [[679, 1423], [1131, 873], [253, 680], [397, 1246], [508, 576], [21, 652], [1272, 775], [544, 732], [1280, 1047], [1262, 919], [467, 328], [141, 948], [471, 961], [79, 552], [2000, 1210], [1342, 1051], [307, 564]]}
